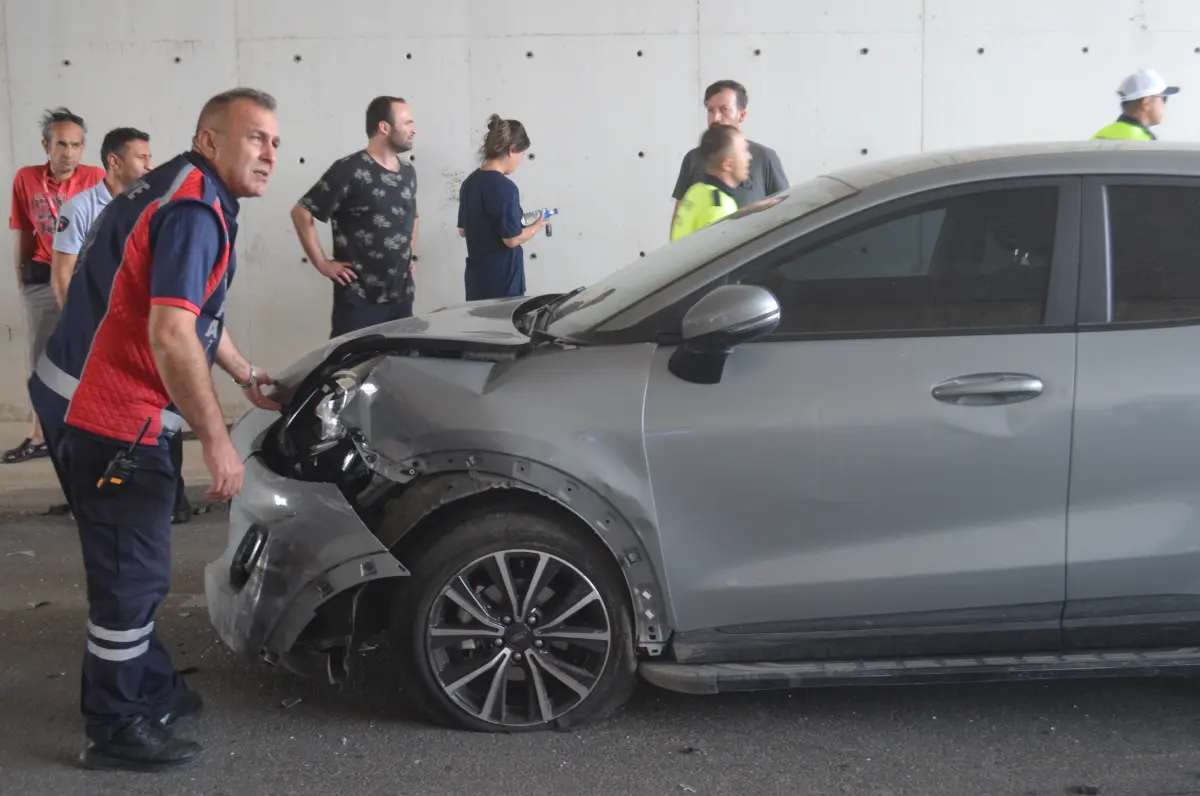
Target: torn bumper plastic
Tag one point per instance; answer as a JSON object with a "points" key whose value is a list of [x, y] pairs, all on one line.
{"points": [[293, 546]]}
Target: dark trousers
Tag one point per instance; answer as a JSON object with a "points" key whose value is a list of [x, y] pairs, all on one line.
{"points": [[176, 448], [53, 432], [493, 281], [125, 537], [349, 317]]}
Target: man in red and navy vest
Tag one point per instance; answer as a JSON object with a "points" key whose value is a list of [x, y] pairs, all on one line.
{"points": [[128, 364]]}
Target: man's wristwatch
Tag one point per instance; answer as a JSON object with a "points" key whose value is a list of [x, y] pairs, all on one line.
{"points": [[249, 383]]}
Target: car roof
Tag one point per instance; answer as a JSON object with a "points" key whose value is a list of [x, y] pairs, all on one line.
{"points": [[1030, 159]]}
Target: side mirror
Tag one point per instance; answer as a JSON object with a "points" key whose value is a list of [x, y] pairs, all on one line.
{"points": [[728, 316]]}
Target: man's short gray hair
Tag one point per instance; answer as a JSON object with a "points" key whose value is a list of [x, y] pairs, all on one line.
{"points": [[221, 102], [57, 116]]}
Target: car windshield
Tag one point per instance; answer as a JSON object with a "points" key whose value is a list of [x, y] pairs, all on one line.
{"points": [[669, 263]]}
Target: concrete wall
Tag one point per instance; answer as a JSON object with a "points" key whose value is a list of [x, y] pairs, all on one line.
{"points": [[611, 105]]}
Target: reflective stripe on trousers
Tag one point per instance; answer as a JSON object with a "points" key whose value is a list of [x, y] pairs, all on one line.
{"points": [[125, 541], [118, 645]]}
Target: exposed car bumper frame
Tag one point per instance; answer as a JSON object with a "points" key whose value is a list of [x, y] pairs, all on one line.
{"points": [[293, 546]]}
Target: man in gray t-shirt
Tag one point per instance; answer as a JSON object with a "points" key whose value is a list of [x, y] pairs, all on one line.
{"points": [[726, 102]]}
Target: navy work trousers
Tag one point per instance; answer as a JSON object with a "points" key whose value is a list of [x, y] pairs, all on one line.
{"points": [[348, 317], [125, 536], [52, 430]]}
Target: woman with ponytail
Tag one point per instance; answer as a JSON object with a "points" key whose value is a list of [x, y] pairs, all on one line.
{"points": [[489, 215]]}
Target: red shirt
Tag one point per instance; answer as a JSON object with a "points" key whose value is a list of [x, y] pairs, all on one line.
{"points": [[36, 198]]}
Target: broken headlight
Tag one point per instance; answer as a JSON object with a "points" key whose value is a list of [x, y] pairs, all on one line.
{"points": [[321, 417], [339, 391]]}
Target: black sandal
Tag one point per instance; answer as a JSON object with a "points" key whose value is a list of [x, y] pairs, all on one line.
{"points": [[26, 451]]}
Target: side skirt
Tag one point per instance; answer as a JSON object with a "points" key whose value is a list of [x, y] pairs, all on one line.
{"points": [[712, 678], [1006, 630]]}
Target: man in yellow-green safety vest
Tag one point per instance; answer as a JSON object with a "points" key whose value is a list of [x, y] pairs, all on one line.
{"points": [[1143, 105], [725, 154]]}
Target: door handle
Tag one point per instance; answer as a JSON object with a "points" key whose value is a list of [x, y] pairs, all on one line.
{"points": [[988, 389]]}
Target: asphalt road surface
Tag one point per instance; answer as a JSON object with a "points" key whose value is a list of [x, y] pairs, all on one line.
{"points": [[269, 732]]}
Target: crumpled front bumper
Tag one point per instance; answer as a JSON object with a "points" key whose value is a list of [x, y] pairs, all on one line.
{"points": [[293, 545]]}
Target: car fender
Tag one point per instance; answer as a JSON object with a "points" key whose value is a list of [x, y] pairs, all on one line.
{"points": [[450, 477]]}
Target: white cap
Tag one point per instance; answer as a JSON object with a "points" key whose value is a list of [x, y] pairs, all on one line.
{"points": [[1144, 83]]}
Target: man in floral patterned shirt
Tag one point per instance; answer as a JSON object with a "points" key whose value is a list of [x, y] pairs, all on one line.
{"points": [[370, 197]]}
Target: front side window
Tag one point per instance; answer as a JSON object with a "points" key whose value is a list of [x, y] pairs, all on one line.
{"points": [[671, 262], [1155, 252], [979, 260]]}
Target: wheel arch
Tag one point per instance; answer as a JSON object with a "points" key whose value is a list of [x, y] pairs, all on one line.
{"points": [[427, 502]]}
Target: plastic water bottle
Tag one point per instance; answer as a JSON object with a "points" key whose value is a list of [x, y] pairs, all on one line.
{"points": [[533, 215]]}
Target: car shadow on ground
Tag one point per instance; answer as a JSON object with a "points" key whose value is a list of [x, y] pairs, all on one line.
{"points": [[374, 693], [251, 706]]}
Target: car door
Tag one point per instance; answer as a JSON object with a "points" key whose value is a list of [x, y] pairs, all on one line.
{"points": [[1133, 545], [887, 472]]}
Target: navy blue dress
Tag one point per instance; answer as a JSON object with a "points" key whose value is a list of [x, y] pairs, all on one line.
{"points": [[489, 210]]}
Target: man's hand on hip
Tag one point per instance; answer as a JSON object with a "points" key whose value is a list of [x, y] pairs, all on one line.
{"points": [[342, 273]]}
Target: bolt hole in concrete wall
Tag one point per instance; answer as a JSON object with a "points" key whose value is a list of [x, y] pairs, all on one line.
{"points": [[832, 83]]}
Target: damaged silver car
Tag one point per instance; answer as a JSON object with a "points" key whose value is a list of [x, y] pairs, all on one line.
{"points": [[836, 438]]}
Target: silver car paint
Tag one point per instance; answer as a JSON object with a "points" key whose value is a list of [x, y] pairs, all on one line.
{"points": [[578, 414], [554, 422], [564, 412], [317, 547], [1135, 502], [486, 322], [868, 495]]}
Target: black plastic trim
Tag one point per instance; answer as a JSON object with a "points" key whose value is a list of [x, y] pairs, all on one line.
{"points": [[1132, 622], [719, 678], [955, 632]]}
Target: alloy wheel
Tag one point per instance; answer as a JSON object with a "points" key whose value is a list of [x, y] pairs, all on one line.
{"points": [[518, 637]]}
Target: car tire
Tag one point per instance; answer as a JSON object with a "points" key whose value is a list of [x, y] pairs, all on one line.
{"points": [[468, 547]]}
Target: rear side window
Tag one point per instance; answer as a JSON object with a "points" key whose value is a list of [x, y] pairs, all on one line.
{"points": [[970, 261], [1154, 239]]}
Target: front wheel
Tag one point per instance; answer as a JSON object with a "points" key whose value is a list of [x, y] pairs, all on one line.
{"points": [[514, 621]]}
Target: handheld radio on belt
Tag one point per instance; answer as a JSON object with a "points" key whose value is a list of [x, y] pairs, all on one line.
{"points": [[122, 467]]}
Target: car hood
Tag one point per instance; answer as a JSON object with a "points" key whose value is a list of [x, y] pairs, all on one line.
{"points": [[477, 326]]}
